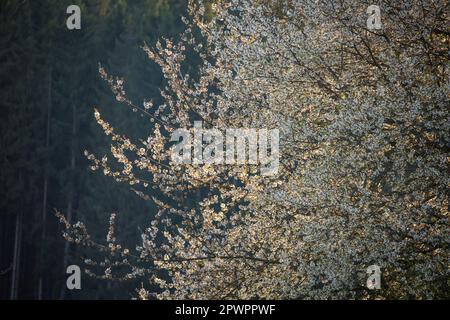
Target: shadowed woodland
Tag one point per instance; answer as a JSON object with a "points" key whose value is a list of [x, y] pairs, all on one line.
{"points": [[50, 84]]}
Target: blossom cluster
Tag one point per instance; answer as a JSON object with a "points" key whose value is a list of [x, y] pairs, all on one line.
{"points": [[363, 120]]}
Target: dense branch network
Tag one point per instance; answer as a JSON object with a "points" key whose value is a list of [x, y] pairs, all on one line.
{"points": [[364, 121]]}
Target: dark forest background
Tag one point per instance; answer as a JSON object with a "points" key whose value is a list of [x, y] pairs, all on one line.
{"points": [[49, 85]]}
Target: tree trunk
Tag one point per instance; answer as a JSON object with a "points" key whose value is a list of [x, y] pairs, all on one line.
{"points": [[17, 252], [70, 199], [45, 188]]}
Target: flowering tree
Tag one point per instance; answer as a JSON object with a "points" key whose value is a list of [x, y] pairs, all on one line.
{"points": [[363, 117]]}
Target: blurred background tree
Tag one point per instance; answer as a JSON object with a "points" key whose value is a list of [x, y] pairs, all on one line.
{"points": [[49, 84]]}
